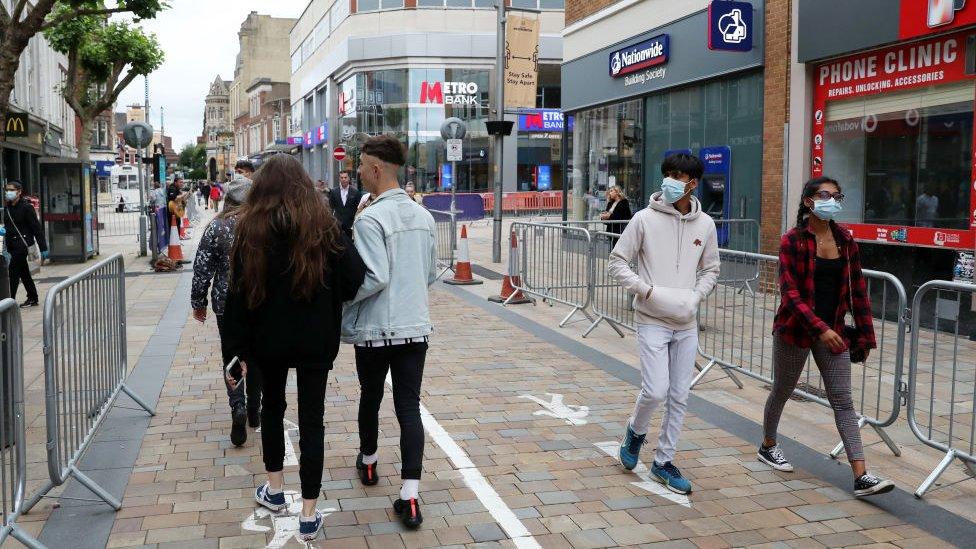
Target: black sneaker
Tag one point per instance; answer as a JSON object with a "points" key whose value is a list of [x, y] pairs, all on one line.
{"points": [[774, 457], [29, 303], [367, 473], [409, 512], [870, 485], [254, 417], [238, 430]]}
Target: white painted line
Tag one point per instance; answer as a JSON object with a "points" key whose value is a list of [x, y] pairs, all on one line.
{"points": [[284, 525], [290, 457], [612, 449], [572, 413], [478, 484]]}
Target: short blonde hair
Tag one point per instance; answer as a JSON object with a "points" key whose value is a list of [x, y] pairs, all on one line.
{"points": [[619, 191]]}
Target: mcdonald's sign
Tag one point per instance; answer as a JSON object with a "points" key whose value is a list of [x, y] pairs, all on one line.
{"points": [[16, 125]]}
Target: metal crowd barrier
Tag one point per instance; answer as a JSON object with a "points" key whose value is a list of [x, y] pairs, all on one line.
{"points": [[85, 367], [941, 392], [741, 235], [446, 225], [609, 301], [13, 434], [736, 335], [554, 263], [115, 223]]}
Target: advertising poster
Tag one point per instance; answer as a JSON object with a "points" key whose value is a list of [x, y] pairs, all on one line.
{"points": [[521, 61]]}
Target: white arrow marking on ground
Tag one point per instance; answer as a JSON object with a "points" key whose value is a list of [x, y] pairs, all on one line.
{"points": [[612, 449], [284, 525], [557, 409], [290, 458]]}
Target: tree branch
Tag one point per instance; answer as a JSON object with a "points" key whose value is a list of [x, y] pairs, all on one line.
{"points": [[18, 10]]}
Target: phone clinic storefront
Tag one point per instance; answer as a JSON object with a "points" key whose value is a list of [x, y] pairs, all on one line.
{"points": [[665, 91], [894, 125]]}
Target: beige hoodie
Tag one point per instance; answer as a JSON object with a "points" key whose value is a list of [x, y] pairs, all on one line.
{"points": [[676, 254]]}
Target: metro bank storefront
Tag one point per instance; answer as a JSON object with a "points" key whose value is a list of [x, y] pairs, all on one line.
{"points": [[892, 120]]}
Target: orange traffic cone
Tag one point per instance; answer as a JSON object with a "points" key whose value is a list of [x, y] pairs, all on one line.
{"points": [[462, 267], [510, 295], [175, 251]]}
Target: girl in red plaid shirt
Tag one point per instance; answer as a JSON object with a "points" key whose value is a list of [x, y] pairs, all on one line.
{"points": [[820, 281]]}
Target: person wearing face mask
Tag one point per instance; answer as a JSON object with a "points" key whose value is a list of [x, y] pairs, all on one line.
{"points": [[820, 282], [21, 230], [675, 247]]}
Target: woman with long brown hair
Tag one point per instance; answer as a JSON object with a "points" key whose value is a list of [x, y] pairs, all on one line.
{"points": [[291, 270]]}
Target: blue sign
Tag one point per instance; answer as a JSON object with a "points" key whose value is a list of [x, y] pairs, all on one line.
{"points": [[103, 168], [447, 177], [730, 26], [543, 177], [650, 52], [542, 120], [715, 187]]}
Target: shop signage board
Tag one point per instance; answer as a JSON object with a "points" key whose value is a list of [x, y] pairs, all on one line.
{"points": [[521, 61], [729, 25], [543, 120], [939, 60], [449, 93], [308, 140], [17, 125], [323, 133], [923, 17], [649, 53]]}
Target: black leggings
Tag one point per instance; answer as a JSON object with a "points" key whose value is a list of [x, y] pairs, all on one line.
{"points": [[311, 410], [406, 366], [20, 272]]}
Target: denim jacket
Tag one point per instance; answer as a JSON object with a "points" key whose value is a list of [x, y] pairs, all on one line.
{"points": [[395, 236]]}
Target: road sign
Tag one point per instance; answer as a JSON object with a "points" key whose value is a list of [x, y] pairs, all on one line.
{"points": [[453, 128], [339, 153], [454, 150]]}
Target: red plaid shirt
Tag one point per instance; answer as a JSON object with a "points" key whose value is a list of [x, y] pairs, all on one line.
{"points": [[796, 322]]}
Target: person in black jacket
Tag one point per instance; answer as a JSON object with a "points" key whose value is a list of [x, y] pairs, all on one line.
{"points": [[618, 209], [291, 270], [22, 230], [345, 201]]}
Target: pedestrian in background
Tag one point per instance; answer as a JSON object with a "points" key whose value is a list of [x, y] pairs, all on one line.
{"points": [[245, 168], [820, 282], [216, 192], [618, 209], [676, 250], [411, 190], [21, 231], [389, 321], [212, 264], [291, 270], [345, 201], [205, 194]]}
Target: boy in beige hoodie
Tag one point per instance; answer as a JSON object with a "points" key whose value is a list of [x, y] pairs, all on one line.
{"points": [[675, 246]]}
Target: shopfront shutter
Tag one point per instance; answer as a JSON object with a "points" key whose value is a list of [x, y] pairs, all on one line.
{"points": [[958, 92]]}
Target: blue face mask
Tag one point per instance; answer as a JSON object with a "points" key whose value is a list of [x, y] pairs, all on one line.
{"points": [[826, 210], [10, 195], [672, 190]]}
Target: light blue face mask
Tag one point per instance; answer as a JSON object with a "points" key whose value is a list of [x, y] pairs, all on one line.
{"points": [[672, 189], [10, 195], [826, 210]]}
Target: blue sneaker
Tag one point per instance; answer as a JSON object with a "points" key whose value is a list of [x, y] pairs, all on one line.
{"points": [[670, 477], [630, 448], [308, 530], [275, 502]]}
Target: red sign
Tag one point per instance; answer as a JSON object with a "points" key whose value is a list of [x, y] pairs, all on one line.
{"points": [[339, 153], [923, 17], [919, 236], [431, 92]]}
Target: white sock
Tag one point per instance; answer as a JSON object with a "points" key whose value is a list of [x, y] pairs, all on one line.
{"points": [[410, 490], [369, 460], [312, 518], [272, 491]]}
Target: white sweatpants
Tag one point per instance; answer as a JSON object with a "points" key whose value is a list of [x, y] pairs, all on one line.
{"points": [[667, 360]]}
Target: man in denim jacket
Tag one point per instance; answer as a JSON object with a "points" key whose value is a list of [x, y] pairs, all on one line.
{"points": [[389, 319]]}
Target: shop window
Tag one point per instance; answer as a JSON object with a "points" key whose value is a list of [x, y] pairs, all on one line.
{"points": [[903, 158], [367, 5], [608, 150]]}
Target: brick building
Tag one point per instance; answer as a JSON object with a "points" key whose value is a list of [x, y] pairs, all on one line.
{"points": [[647, 78], [266, 119]]}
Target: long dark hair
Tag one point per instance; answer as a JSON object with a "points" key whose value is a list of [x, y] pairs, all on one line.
{"points": [[809, 189], [282, 203]]}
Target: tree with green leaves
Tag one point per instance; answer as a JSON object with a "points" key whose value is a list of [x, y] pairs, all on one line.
{"points": [[104, 57], [193, 159], [26, 18]]}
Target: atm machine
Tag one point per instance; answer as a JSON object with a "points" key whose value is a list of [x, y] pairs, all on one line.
{"points": [[715, 187]]}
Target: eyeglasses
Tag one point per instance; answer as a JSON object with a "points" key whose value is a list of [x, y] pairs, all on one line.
{"points": [[827, 195]]}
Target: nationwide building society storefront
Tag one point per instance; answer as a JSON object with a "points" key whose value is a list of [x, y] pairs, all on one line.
{"points": [[692, 85]]}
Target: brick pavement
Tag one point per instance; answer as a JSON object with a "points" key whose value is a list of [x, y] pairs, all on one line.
{"points": [[192, 488]]}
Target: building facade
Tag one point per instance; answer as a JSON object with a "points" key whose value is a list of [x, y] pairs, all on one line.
{"points": [[51, 125], [263, 57], [218, 131], [263, 128], [646, 79], [365, 67], [887, 108]]}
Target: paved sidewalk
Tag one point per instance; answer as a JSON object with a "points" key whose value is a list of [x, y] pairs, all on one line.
{"points": [[521, 422]]}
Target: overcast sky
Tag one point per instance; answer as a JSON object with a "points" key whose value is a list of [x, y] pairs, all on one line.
{"points": [[200, 41]]}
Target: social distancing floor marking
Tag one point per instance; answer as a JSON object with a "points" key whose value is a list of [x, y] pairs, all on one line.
{"points": [[570, 413], [284, 524], [612, 449]]}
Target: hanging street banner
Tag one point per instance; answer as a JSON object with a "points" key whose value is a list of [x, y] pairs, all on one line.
{"points": [[521, 61]]}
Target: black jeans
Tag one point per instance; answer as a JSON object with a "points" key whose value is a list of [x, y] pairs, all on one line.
{"points": [[253, 384], [406, 366], [311, 411], [20, 271]]}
